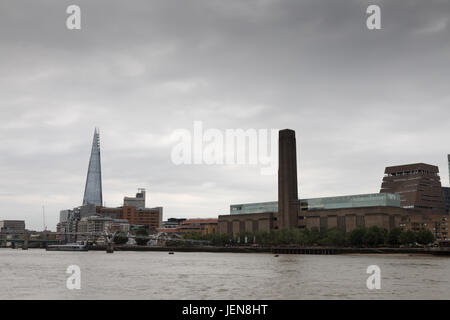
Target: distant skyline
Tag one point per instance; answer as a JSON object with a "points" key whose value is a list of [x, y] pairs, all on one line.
{"points": [[358, 100]]}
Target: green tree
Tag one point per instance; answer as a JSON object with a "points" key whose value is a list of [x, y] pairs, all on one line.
{"points": [[356, 236], [314, 236], [374, 236], [192, 235], [141, 241], [408, 237], [394, 236], [334, 237], [141, 237], [286, 236], [425, 236], [301, 237], [142, 232]]}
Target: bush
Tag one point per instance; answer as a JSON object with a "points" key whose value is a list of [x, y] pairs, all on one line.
{"points": [[394, 237], [425, 236], [120, 238], [140, 241], [374, 236], [408, 237], [334, 237], [314, 236], [141, 232], [355, 238]]}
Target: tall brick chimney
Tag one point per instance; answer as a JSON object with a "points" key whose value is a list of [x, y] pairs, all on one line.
{"points": [[287, 180]]}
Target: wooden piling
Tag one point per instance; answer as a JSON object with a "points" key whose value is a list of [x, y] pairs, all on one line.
{"points": [[110, 247]]}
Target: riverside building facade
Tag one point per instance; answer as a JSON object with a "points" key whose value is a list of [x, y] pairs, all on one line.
{"points": [[12, 226], [407, 191], [90, 217], [135, 212]]}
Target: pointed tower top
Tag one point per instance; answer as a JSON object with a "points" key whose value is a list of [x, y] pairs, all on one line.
{"points": [[93, 188]]}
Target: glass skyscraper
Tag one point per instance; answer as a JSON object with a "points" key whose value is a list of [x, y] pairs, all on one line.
{"points": [[93, 188], [448, 158]]}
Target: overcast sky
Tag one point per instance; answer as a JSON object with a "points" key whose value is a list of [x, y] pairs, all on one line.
{"points": [[359, 100]]}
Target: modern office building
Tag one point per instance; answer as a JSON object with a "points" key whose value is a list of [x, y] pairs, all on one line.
{"points": [[93, 188], [448, 161], [418, 185], [150, 218], [110, 212], [68, 221], [446, 193], [64, 215], [446, 190], [172, 223], [138, 201]]}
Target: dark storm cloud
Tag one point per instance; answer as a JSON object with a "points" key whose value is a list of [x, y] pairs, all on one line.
{"points": [[359, 100]]}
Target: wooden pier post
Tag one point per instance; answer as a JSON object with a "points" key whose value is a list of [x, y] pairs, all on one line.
{"points": [[110, 247]]}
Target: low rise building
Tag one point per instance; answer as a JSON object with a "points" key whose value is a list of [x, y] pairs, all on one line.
{"points": [[172, 223], [437, 224], [202, 226], [98, 225], [46, 234], [90, 218], [150, 218], [12, 226]]}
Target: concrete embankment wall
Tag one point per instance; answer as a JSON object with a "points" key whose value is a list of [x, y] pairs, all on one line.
{"points": [[281, 250], [186, 249]]}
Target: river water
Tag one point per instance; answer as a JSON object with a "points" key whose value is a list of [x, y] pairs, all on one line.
{"points": [[38, 274]]}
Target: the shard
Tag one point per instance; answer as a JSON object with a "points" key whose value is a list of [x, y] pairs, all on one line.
{"points": [[93, 188]]}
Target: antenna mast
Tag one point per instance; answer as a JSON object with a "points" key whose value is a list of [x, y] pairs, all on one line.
{"points": [[43, 218]]}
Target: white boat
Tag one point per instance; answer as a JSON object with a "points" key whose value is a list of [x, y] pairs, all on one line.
{"points": [[67, 247]]}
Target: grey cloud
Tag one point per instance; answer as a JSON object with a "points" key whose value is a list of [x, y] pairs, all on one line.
{"points": [[358, 100]]}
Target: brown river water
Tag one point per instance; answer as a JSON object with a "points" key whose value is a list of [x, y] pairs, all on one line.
{"points": [[38, 274]]}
